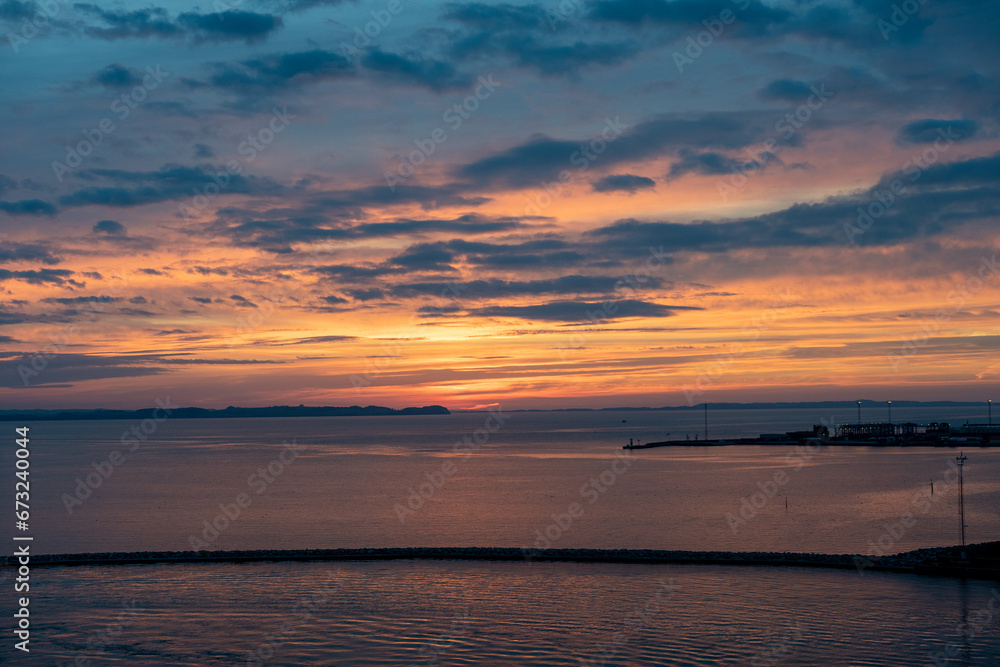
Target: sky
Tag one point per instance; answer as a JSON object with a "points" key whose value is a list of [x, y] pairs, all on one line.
{"points": [[581, 203]]}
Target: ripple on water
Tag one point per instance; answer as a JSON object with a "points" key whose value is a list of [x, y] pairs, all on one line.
{"points": [[457, 613]]}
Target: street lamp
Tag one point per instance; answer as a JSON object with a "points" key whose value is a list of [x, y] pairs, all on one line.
{"points": [[990, 404], [890, 412], [859, 412]]}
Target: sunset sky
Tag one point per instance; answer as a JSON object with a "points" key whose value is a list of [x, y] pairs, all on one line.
{"points": [[555, 204]]}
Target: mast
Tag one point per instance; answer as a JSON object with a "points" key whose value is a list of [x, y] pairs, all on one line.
{"points": [[961, 458]]}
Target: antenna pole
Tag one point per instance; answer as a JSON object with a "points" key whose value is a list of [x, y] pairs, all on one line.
{"points": [[961, 458]]}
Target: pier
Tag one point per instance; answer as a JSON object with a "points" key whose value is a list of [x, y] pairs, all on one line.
{"points": [[864, 434]]}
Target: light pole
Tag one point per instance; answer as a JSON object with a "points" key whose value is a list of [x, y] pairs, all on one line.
{"points": [[859, 412], [990, 404], [706, 421], [961, 458], [890, 412]]}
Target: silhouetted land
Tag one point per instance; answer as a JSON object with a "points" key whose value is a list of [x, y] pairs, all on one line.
{"points": [[228, 413], [852, 405], [982, 561]]}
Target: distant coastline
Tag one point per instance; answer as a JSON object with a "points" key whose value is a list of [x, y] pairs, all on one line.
{"points": [[231, 412], [764, 406], [228, 413], [976, 561]]}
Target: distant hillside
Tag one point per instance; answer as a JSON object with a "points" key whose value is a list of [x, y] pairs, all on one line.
{"points": [[228, 413], [778, 406]]}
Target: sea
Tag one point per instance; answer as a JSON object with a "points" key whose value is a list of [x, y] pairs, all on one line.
{"points": [[500, 479]]}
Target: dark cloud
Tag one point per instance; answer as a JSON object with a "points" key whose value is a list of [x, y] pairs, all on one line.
{"points": [[581, 311], [221, 362], [334, 300], [311, 339], [110, 227], [433, 74], [73, 368], [8, 318], [524, 35], [565, 257], [494, 288], [983, 171], [856, 26], [425, 257], [208, 271], [28, 207], [350, 273], [709, 164], [27, 252], [119, 24], [567, 59], [440, 255], [624, 183], [203, 151], [470, 223], [754, 16], [224, 26], [152, 272], [170, 182], [39, 276], [787, 90], [279, 70], [261, 230], [543, 158], [931, 130], [243, 301], [294, 6], [15, 10], [861, 24], [937, 200], [200, 299], [230, 26], [541, 252], [117, 75], [497, 17], [370, 294], [77, 300], [436, 311]]}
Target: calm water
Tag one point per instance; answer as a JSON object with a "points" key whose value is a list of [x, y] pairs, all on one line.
{"points": [[459, 613], [349, 484]]}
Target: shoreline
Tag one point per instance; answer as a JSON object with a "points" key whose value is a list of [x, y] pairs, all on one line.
{"points": [[941, 561], [758, 442]]}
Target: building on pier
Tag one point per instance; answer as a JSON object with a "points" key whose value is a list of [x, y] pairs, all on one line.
{"points": [[875, 430]]}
